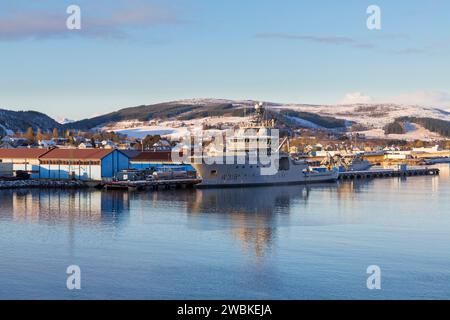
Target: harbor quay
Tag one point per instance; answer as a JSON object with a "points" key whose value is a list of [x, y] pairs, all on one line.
{"points": [[60, 168], [62, 184], [131, 169]]}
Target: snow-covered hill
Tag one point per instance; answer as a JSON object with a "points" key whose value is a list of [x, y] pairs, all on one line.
{"points": [[172, 128], [373, 116], [179, 117], [20, 121], [369, 118]]}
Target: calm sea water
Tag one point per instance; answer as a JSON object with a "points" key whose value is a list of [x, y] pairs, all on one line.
{"points": [[292, 242]]}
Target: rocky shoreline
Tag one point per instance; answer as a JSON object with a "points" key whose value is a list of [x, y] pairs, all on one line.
{"points": [[42, 184]]}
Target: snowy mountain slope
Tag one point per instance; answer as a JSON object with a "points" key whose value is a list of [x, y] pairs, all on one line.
{"points": [[179, 117], [370, 115], [305, 123], [20, 121], [173, 128], [415, 132]]}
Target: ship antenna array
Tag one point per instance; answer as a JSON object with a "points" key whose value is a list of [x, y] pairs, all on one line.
{"points": [[260, 112]]}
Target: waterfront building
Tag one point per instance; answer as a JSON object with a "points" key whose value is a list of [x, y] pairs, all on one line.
{"points": [[131, 153], [22, 159], [397, 155], [82, 164]]}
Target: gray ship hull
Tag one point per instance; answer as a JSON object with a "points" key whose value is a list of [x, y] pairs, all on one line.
{"points": [[229, 175]]}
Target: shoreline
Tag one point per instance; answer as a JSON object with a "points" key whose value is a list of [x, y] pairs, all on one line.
{"points": [[62, 184]]}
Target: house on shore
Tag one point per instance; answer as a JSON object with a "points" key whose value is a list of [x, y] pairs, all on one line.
{"points": [[11, 142], [82, 164]]}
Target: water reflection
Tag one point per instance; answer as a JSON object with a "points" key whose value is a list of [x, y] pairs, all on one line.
{"points": [[57, 206], [268, 242], [251, 214]]}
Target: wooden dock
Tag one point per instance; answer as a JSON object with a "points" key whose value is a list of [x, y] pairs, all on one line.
{"points": [[386, 173], [152, 184]]}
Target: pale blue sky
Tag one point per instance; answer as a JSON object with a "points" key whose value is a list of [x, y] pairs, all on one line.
{"points": [[132, 52]]}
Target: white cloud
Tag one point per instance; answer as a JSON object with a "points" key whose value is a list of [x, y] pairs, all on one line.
{"points": [[356, 97], [20, 21]]}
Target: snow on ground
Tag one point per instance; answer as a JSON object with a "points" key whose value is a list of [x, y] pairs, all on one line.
{"points": [[143, 131], [63, 120], [7, 131], [414, 132], [304, 123], [208, 101], [370, 115], [171, 129], [373, 116]]}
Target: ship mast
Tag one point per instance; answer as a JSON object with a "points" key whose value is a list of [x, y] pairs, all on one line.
{"points": [[259, 110], [261, 116]]}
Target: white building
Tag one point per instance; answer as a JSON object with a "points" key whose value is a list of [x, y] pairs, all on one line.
{"points": [[46, 143], [108, 144], [435, 148], [85, 145]]}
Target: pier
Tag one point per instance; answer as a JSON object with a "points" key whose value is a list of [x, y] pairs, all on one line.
{"points": [[152, 184], [386, 173]]}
